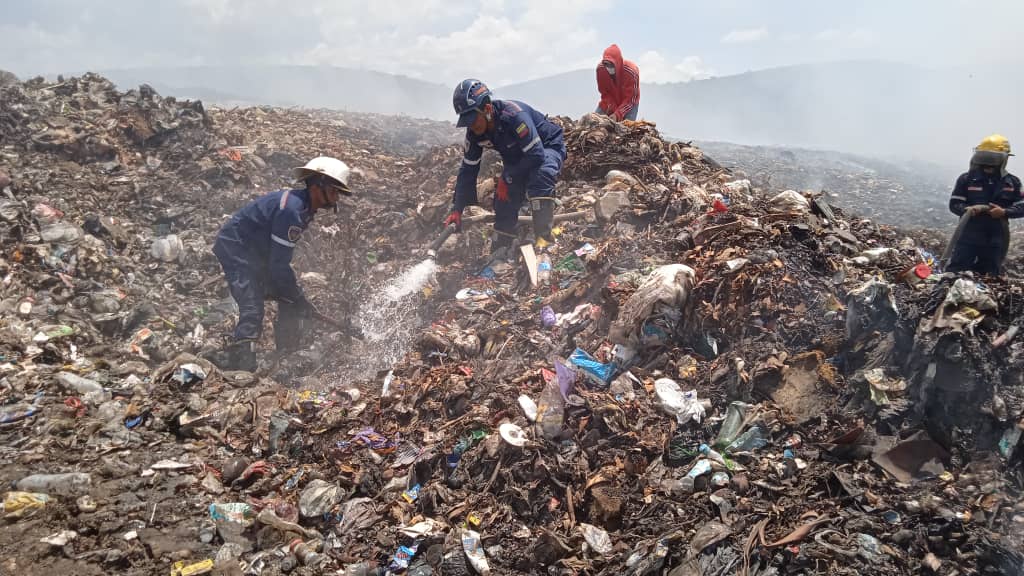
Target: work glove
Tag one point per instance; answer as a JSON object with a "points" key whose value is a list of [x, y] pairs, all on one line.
{"points": [[502, 191], [455, 217], [996, 211]]}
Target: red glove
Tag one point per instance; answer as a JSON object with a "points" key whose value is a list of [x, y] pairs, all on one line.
{"points": [[502, 192], [454, 218]]}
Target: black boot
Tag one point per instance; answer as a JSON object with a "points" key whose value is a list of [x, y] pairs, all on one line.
{"points": [[543, 212], [241, 355], [501, 246]]}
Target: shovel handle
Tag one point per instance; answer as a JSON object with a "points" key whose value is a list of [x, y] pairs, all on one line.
{"points": [[436, 244]]}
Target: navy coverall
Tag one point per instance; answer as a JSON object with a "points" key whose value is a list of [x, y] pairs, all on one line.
{"points": [[255, 249], [532, 151], [984, 240]]}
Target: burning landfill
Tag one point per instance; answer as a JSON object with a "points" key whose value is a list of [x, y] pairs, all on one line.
{"points": [[708, 379]]}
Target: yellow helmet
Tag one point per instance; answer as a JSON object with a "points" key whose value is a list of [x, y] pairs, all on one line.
{"points": [[994, 143]]}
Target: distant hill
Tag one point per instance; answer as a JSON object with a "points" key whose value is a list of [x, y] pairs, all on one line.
{"points": [[873, 108], [309, 86]]}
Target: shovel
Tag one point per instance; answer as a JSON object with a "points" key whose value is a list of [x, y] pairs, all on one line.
{"points": [[436, 244], [948, 252], [348, 329]]}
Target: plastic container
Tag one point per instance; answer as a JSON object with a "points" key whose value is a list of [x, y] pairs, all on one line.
{"points": [[752, 439], [74, 382], [167, 249], [305, 553], [716, 456], [551, 411], [543, 269], [699, 469], [474, 550], [71, 484], [735, 414]]}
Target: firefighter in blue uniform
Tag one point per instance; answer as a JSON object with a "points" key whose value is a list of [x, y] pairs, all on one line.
{"points": [[255, 250], [531, 149], [989, 195]]}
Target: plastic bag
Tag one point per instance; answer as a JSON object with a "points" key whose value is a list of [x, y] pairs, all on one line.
{"points": [[684, 406]]}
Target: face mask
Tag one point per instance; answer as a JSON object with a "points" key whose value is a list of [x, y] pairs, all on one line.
{"points": [[610, 68]]}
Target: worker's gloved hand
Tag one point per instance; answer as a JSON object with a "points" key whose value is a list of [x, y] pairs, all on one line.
{"points": [[502, 191], [455, 217], [977, 210], [996, 211]]}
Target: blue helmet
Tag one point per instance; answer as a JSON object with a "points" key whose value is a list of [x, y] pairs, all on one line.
{"points": [[470, 95]]}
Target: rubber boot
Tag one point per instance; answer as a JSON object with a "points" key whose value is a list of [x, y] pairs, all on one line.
{"points": [[242, 356], [501, 246], [543, 210], [289, 328]]}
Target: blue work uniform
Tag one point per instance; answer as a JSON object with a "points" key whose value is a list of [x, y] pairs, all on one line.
{"points": [[255, 250], [532, 151], [984, 240]]}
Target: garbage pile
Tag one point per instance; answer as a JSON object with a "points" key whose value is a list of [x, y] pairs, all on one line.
{"points": [[911, 194], [698, 378]]}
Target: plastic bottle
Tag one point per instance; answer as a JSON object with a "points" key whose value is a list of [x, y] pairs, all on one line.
{"points": [[734, 416], [699, 469], [360, 569], [77, 383], [551, 411], [306, 555], [70, 484], [543, 269], [716, 456], [752, 439], [790, 468]]}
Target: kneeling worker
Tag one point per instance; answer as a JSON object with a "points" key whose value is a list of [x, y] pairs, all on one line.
{"points": [[532, 150], [255, 250]]}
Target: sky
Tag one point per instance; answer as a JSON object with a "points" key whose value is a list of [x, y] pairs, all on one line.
{"points": [[502, 41]]}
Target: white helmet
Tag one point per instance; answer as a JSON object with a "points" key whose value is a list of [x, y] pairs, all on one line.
{"points": [[326, 166]]}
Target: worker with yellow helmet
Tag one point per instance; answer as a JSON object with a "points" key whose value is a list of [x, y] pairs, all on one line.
{"points": [[986, 196]]}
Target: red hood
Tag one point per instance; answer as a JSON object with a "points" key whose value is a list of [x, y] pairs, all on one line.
{"points": [[614, 55]]}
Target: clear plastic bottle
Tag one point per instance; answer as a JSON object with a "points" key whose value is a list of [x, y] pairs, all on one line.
{"points": [[699, 469], [70, 484], [543, 269], [752, 439], [551, 410], [712, 454], [733, 424], [74, 382]]}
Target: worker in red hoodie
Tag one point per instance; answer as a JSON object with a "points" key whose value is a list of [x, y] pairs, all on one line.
{"points": [[618, 81]]}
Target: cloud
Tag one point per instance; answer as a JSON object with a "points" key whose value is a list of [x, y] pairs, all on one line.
{"points": [[656, 68], [745, 36], [492, 42], [858, 36], [442, 41], [828, 35]]}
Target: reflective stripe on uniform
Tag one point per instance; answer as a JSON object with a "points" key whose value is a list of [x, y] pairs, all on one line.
{"points": [[532, 143], [284, 199], [469, 162], [964, 198], [282, 241]]}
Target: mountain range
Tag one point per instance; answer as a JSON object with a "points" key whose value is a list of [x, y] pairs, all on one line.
{"points": [[880, 109]]}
